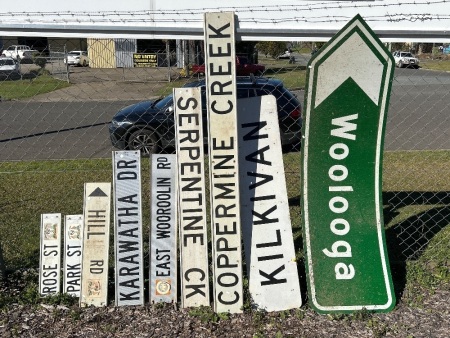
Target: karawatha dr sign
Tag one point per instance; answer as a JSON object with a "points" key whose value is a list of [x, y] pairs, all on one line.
{"points": [[348, 88]]}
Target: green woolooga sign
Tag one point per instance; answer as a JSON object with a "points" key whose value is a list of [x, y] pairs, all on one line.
{"points": [[348, 89]]}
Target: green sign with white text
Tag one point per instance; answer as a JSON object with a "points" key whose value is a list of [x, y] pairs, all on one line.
{"points": [[348, 89]]}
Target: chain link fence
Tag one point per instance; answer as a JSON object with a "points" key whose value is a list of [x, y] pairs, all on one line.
{"points": [[56, 133]]}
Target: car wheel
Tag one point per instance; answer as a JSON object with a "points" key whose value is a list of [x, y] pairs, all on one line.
{"points": [[145, 140], [84, 63]]}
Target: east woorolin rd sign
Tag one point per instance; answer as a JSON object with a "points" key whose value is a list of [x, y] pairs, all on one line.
{"points": [[348, 88]]}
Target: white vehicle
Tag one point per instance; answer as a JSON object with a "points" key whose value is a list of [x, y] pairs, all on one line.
{"points": [[19, 52], [9, 67], [77, 58], [405, 59]]}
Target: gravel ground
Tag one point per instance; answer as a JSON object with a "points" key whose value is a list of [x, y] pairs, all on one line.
{"points": [[428, 317]]}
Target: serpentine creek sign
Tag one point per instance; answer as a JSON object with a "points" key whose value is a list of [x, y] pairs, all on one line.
{"points": [[348, 87]]}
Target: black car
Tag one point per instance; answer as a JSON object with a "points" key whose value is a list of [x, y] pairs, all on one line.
{"points": [[149, 125]]}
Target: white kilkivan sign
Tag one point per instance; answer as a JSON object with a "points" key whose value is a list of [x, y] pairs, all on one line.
{"points": [[129, 272], [96, 216], [50, 258], [73, 237], [220, 64], [192, 201], [266, 224], [164, 229]]}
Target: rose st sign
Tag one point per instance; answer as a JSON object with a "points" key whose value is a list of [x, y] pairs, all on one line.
{"points": [[347, 98]]}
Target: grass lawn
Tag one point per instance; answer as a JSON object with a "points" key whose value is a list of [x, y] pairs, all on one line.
{"points": [[415, 194], [22, 89], [441, 65]]}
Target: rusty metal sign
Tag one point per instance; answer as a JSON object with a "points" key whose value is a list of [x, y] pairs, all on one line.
{"points": [[50, 258], [97, 214]]}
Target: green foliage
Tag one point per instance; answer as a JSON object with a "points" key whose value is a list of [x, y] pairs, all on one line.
{"points": [[40, 61], [435, 52], [60, 299], [75, 313], [272, 48], [205, 314], [362, 315], [30, 295]]}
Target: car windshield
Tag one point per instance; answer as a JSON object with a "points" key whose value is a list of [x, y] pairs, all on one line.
{"points": [[408, 55], [164, 102], [74, 53], [6, 62]]}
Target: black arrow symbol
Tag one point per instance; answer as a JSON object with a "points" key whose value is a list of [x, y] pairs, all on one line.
{"points": [[98, 193]]}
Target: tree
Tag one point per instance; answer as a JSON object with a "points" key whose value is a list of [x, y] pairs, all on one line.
{"points": [[272, 48]]}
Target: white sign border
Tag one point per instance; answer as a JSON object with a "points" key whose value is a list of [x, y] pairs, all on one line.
{"points": [[380, 228]]}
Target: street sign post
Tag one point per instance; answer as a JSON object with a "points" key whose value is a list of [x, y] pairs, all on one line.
{"points": [[163, 229], [220, 63], [97, 215], [348, 89], [73, 236], [194, 267], [266, 223], [129, 274], [50, 259]]}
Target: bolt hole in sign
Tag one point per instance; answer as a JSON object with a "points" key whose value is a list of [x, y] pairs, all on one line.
{"points": [[348, 87]]}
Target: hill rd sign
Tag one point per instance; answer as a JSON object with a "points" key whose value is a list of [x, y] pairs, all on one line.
{"points": [[348, 89]]}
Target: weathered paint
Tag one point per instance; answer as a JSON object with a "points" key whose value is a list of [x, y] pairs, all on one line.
{"points": [[266, 224], [349, 84], [164, 229], [194, 267], [73, 241], [50, 258], [129, 261], [97, 214], [220, 62]]}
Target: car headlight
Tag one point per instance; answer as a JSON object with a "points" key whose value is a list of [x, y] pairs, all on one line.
{"points": [[119, 123]]}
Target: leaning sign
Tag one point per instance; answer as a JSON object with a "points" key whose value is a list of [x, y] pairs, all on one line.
{"points": [[94, 275], [348, 89], [128, 228], [164, 228], [194, 267], [266, 224], [223, 159]]}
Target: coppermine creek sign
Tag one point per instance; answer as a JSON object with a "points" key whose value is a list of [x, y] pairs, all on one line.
{"points": [[220, 62], [348, 88]]}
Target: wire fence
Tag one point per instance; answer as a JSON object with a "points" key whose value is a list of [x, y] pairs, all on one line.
{"points": [[56, 132]]}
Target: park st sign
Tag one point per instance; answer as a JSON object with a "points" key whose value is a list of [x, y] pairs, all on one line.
{"points": [[348, 89]]}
